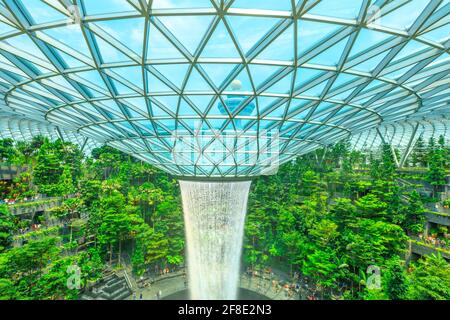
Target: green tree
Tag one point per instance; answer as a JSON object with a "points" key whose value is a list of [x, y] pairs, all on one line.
{"points": [[7, 227], [372, 242], [430, 279], [7, 289], [436, 170], [169, 221], [344, 212], [7, 150], [395, 279], [115, 227], [418, 155], [321, 266], [65, 184], [324, 232], [48, 170], [415, 213], [370, 206]]}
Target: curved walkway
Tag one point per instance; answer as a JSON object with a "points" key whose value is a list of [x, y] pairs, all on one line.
{"points": [[173, 282]]}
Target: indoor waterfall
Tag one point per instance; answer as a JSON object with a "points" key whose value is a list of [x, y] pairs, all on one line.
{"points": [[214, 215]]}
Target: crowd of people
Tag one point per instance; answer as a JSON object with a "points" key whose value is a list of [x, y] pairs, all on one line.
{"points": [[433, 240], [266, 277], [24, 200]]}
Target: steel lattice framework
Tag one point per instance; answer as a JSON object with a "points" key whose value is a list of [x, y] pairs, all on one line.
{"points": [[403, 135], [24, 129], [130, 73]]}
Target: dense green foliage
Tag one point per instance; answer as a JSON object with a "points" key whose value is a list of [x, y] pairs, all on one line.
{"points": [[6, 228], [329, 216], [332, 224]]}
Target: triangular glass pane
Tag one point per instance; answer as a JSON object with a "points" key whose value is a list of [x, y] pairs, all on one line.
{"points": [[94, 92], [129, 32], [175, 73], [260, 72], [189, 37], [282, 48], [110, 105], [102, 7], [282, 86], [35, 67], [345, 9], [8, 65], [265, 103], [155, 85], [186, 109], [439, 34], [72, 36], [312, 33], [409, 50], [159, 47], [59, 81], [315, 91], [5, 28], [332, 55], [278, 112], [366, 39], [69, 60], [185, 4], [241, 82], [215, 123], [137, 103], [264, 5], [403, 17], [306, 75], [108, 53], [167, 124], [132, 113], [158, 111], [398, 73], [246, 108], [343, 95], [94, 77], [218, 72], [370, 64], [196, 82], [248, 37], [220, 44], [201, 102], [121, 88], [43, 13], [343, 78], [24, 43], [132, 74], [170, 102]]}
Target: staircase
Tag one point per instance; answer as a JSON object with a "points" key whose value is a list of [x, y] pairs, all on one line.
{"points": [[112, 287]]}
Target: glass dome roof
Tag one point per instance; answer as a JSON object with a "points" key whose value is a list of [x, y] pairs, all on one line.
{"points": [[24, 129], [403, 135], [142, 76]]}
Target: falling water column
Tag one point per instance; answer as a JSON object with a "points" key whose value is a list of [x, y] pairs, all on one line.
{"points": [[214, 215]]}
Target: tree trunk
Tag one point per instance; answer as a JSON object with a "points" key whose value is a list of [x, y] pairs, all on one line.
{"points": [[120, 250], [110, 253]]}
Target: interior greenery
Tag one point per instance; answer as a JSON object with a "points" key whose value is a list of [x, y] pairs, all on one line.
{"points": [[326, 216]]}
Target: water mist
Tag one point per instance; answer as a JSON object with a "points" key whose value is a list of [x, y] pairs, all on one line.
{"points": [[214, 215]]}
